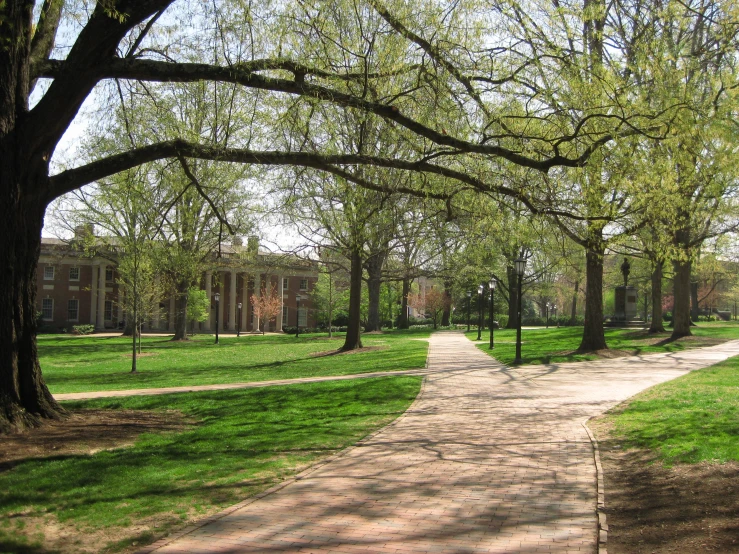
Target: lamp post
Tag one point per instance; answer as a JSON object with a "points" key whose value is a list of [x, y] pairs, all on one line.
{"points": [[492, 311], [297, 316], [554, 309], [520, 268], [480, 289], [217, 297], [469, 296], [238, 322], [547, 314]]}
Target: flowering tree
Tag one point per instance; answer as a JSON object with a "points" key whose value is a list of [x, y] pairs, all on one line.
{"points": [[266, 306]]}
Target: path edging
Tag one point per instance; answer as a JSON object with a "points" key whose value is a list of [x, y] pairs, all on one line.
{"points": [[601, 490]]}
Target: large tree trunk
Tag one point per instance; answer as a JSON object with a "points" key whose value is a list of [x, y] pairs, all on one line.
{"points": [[512, 298], [24, 398], [573, 312], [657, 325], [446, 316], [593, 336], [403, 317], [180, 316], [694, 301], [374, 283], [353, 332], [681, 309]]}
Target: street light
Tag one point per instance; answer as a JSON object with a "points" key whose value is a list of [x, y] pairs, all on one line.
{"points": [[479, 312], [492, 311], [554, 310], [217, 298], [520, 265], [469, 296], [297, 316], [238, 323], [547, 314]]}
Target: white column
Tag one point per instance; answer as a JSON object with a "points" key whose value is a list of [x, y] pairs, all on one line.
{"points": [[209, 293], [245, 302], [101, 299], [155, 315], [281, 292], [172, 314], [232, 302], [121, 302], [221, 302], [257, 294], [93, 294]]}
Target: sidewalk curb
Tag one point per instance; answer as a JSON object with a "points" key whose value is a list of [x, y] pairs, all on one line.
{"points": [[601, 490]]}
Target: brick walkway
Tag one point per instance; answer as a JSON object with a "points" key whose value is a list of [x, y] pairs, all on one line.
{"points": [[488, 459]]}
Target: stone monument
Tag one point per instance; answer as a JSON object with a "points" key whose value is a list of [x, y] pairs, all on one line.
{"points": [[626, 309]]}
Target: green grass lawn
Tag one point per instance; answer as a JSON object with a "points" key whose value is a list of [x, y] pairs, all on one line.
{"points": [[691, 419], [240, 443], [553, 345], [89, 363]]}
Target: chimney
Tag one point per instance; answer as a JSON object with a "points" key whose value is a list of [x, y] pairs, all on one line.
{"points": [[82, 231], [252, 244]]}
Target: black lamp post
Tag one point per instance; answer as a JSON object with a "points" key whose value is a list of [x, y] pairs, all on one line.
{"points": [[469, 296], [492, 312], [479, 312], [217, 298], [238, 323], [297, 316], [554, 311], [520, 268], [547, 314]]}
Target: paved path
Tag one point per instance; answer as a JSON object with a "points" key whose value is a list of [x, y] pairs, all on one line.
{"points": [[488, 459]]}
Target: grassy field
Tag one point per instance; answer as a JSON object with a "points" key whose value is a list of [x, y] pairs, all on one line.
{"points": [[89, 363], [691, 419], [236, 444], [544, 346]]}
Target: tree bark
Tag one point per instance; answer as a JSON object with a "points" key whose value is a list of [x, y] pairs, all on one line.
{"points": [[657, 324], [180, 316], [374, 266], [573, 313], [403, 316], [694, 301], [446, 316], [353, 332], [512, 298], [681, 309], [24, 398], [593, 336]]}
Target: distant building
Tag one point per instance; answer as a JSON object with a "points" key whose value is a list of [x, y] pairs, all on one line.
{"points": [[75, 289]]}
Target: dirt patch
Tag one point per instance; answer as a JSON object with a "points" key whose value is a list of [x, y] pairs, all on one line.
{"points": [[83, 433], [339, 352], [87, 432], [141, 355], [652, 509]]}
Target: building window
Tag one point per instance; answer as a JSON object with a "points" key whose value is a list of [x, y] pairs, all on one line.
{"points": [[108, 310], [284, 316], [73, 310], [49, 273], [304, 284], [108, 275], [285, 282], [302, 317], [47, 309], [74, 273]]}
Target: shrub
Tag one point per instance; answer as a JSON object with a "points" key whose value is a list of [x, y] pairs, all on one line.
{"points": [[83, 329]]}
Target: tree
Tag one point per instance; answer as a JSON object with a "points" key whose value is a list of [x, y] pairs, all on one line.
{"points": [[198, 306], [330, 294], [455, 105], [266, 306]]}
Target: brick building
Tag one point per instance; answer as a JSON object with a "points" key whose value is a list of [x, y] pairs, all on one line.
{"points": [[75, 289]]}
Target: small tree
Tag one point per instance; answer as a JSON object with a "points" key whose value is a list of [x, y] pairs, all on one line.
{"points": [[330, 297], [198, 307], [266, 306]]}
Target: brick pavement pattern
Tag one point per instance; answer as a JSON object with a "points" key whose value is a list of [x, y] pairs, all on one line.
{"points": [[488, 459]]}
